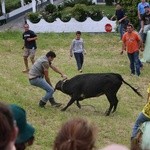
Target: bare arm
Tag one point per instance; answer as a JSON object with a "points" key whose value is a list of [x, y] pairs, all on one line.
{"points": [[32, 39], [58, 71], [139, 16], [71, 49], [122, 18], [112, 17], [47, 77], [123, 47], [148, 97]]}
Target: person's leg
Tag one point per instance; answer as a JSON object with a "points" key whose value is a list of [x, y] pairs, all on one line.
{"points": [[146, 28], [77, 57], [121, 30], [32, 55], [131, 59], [81, 61], [40, 82], [136, 62], [25, 58], [141, 118]]}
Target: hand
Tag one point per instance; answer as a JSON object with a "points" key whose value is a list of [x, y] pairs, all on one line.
{"points": [[64, 76], [119, 21], [142, 49], [29, 39]]}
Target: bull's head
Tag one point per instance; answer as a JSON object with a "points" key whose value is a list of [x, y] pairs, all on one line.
{"points": [[59, 85]]}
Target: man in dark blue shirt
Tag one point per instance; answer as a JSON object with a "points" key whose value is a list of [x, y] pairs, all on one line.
{"points": [[29, 46], [120, 15]]}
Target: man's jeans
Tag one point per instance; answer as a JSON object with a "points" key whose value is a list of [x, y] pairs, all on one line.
{"points": [[141, 119], [134, 63], [79, 59], [41, 83], [121, 29]]}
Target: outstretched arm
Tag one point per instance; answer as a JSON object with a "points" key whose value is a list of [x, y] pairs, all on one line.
{"points": [[58, 71]]}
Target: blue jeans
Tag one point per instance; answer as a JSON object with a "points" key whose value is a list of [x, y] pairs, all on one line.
{"points": [[41, 83], [121, 29], [79, 59], [141, 119], [134, 62]]}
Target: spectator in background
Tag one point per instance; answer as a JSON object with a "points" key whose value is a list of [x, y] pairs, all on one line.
{"points": [[132, 43], [120, 15], [145, 22], [29, 47], [8, 128], [25, 135], [77, 48], [76, 134], [141, 9]]}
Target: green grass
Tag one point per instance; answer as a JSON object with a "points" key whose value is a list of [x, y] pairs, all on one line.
{"points": [[103, 55]]}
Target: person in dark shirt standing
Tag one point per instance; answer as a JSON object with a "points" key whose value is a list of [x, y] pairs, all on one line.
{"points": [[120, 15], [29, 46]]}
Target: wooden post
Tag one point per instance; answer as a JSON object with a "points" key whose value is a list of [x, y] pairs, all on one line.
{"points": [[22, 3], [33, 6], [51, 1], [94, 1], [3, 7]]}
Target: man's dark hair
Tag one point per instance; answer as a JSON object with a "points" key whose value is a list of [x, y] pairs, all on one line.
{"points": [[51, 54], [78, 32], [130, 25]]}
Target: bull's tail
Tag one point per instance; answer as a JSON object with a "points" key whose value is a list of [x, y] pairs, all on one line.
{"points": [[134, 89]]}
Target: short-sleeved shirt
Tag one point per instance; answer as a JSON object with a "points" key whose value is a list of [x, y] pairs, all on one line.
{"points": [[29, 44], [146, 109], [141, 7], [120, 14], [145, 129], [131, 41], [37, 69], [146, 18]]}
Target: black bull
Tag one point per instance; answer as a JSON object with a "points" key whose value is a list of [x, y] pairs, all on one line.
{"points": [[92, 85]]}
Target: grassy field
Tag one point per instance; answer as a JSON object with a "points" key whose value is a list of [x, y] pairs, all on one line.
{"points": [[103, 55]]}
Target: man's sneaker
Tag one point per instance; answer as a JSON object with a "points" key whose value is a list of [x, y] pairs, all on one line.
{"points": [[42, 104], [80, 70], [53, 103]]}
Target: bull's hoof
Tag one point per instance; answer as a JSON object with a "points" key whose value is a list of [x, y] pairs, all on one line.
{"points": [[107, 113], [63, 109]]}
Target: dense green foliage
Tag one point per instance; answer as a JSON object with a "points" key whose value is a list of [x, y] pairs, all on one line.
{"points": [[109, 2], [79, 10]]}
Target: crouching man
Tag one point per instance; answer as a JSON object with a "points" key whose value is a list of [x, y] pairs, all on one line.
{"points": [[38, 76]]}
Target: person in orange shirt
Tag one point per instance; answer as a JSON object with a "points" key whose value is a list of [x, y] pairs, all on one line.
{"points": [[132, 43]]}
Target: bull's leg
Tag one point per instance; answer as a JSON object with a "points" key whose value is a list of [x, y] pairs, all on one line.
{"points": [[69, 103], [110, 99], [115, 103], [78, 104]]}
